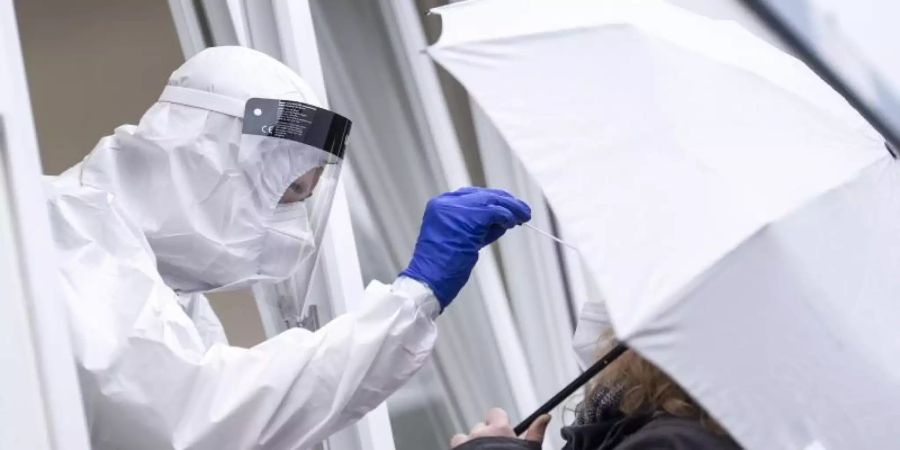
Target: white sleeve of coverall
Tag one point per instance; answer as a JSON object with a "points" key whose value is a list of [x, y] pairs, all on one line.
{"points": [[288, 392]]}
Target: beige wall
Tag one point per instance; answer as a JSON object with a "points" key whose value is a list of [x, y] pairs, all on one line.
{"points": [[93, 65]]}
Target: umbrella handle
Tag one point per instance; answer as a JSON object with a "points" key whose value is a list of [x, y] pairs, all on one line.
{"points": [[578, 382]]}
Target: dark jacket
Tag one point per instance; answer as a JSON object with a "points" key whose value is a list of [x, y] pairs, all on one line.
{"points": [[643, 432]]}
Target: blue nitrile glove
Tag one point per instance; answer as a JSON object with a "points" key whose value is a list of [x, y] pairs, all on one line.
{"points": [[455, 226]]}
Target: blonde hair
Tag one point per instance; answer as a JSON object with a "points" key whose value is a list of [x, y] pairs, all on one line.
{"points": [[645, 388]]}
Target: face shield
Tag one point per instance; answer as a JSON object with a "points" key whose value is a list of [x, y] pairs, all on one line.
{"points": [[317, 138], [312, 140]]}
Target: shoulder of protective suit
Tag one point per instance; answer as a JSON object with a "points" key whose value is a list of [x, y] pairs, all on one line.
{"points": [[66, 189], [241, 73], [83, 216]]}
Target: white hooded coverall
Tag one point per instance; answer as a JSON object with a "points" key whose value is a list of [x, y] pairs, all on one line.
{"points": [[154, 367]]}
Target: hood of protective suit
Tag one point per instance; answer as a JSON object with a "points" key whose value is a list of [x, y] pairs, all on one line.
{"points": [[208, 204]]}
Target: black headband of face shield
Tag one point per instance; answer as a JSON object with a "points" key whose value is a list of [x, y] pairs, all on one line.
{"points": [[298, 122]]}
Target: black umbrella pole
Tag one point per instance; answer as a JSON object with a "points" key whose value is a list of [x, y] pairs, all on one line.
{"points": [[578, 382]]}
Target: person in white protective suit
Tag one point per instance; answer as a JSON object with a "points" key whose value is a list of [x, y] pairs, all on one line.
{"points": [[226, 182]]}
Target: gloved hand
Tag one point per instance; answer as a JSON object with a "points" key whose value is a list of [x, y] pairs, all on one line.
{"points": [[455, 226]]}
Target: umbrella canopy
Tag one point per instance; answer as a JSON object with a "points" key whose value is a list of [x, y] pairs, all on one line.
{"points": [[740, 219]]}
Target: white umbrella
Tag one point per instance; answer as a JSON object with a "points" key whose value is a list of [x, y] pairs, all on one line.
{"points": [[741, 220]]}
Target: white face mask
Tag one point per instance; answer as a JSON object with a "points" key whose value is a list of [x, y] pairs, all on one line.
{"points": [[289, 241], [287, 244], [593, 320], [593, 324]]}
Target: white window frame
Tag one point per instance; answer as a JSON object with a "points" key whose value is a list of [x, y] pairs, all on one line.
{"points": [[40, 400], [408, 38]]}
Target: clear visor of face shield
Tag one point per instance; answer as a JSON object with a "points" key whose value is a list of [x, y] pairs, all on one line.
{"points": [[316, 141]]}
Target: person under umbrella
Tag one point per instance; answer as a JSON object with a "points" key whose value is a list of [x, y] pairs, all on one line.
{"points": [[630, 405]]}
